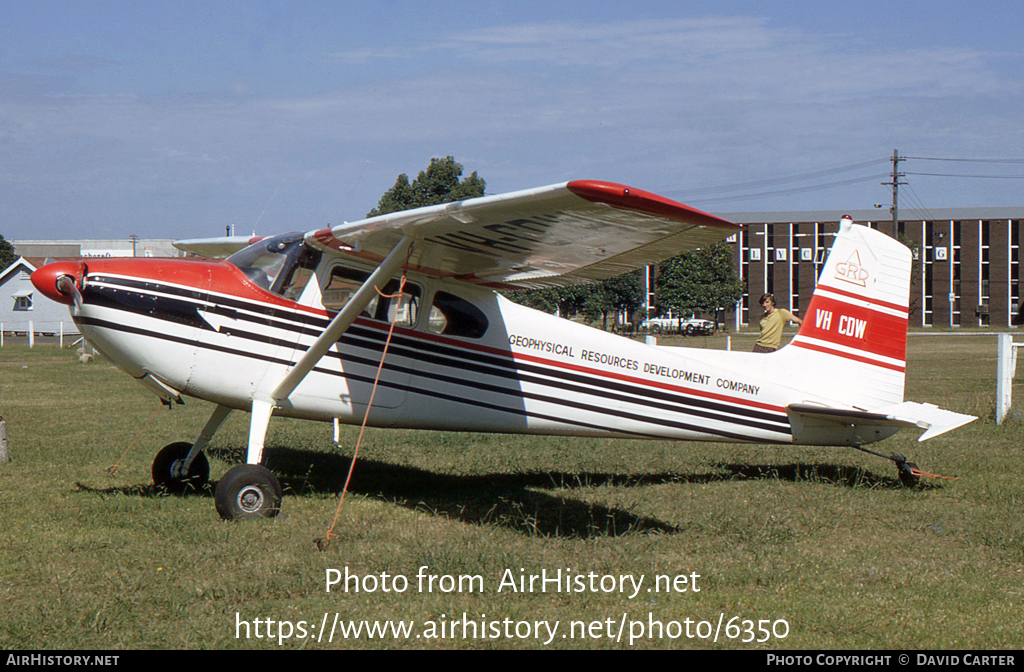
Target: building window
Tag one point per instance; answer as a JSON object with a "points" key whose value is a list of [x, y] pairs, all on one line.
{"points": [[23, 302]]}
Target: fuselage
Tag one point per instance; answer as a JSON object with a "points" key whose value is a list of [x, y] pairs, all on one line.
{"points": [[465, 358]]}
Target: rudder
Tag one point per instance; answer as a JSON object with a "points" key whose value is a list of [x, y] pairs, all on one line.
{"points": [[853, 341]]}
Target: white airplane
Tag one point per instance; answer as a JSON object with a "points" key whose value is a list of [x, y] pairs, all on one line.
{"points": [[295, 326]]}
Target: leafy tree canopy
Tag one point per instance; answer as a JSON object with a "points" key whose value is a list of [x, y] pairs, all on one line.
{"points": [[7, 255], [565, 301], [596, 301], [701, 281], [439, 183], [623, 293]]}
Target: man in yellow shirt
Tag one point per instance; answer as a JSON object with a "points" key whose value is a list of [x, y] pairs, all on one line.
{"points": [[772, 322]]}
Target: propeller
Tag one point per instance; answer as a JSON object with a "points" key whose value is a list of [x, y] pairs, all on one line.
{"points": [[66, 286]]}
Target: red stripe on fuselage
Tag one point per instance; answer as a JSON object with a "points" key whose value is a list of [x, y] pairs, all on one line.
{"points": [[518, 356], [225, 279]]}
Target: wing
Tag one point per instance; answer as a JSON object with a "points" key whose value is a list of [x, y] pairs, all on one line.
{"points": [[557, 235], [218, 247]]}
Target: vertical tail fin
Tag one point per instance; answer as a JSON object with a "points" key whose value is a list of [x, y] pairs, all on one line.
{"points": [[851, 347]]}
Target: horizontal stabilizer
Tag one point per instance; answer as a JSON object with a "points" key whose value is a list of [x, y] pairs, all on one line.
{"points": [[929, 417]]}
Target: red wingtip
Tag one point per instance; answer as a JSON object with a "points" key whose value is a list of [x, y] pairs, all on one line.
{"points": [[620, 195]]}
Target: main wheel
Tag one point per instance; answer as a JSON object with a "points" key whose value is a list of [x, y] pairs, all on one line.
{"points": [[167, 468], [248, 491]]}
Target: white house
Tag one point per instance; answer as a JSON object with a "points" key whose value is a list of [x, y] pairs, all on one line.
{"points": [[21, 305]]}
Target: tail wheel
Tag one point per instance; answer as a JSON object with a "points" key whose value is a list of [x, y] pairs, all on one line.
{"points": [[908, 472], [248, 491], [167, 468]]}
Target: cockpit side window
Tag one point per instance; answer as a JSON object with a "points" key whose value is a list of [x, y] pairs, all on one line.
{"points": [[292, 281], [282, 264], [451, 315]]}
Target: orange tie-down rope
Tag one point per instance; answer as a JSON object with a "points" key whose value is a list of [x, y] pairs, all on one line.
{"points": [[323, 542], [113, 468], [924, 474]]}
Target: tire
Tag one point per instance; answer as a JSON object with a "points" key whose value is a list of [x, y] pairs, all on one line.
{"points": [[248, 491], [165, 468], [690, 329]]}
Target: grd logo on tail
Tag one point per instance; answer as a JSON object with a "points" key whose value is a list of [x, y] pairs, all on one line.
{"points": [[852, 271]]}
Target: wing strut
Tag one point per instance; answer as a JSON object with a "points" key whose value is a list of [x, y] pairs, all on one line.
{"points": [[263, 406]]}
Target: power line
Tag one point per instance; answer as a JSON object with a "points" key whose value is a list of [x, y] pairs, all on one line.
{"points": [[989, 177], [784, 192], [916, 205], [801, 177], [932, 158]]}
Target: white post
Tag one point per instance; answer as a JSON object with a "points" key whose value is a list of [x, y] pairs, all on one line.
{"points": [[31, 335], [1, 334], [4, 457], [1006, 366], [61, 345]]}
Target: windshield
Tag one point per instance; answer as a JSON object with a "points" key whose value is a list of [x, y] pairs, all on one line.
{"points": [[281, 264]]}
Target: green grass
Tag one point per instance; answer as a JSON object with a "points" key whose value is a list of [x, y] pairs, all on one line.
{"points": [[825, 539]]}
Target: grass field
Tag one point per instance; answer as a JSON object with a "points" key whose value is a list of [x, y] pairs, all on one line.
{"points": [[826, 540]]}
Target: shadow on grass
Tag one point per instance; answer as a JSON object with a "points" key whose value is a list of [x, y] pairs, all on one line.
{"points": [[852, 477], [525, 502]]}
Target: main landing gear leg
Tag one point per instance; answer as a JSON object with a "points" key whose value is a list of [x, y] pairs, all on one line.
{"points": [[251, 490]]}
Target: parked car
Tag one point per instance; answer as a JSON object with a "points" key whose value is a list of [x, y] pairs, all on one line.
{"points": [[673, 325]]}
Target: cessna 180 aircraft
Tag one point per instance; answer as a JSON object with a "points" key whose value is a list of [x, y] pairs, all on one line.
{"points": [[295, 325]]}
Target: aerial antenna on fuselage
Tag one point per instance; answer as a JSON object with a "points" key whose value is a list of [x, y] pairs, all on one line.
{"points": [[341, 218], [266, 206]]}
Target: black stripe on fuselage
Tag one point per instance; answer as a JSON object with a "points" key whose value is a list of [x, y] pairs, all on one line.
{"points": [[441, 355], [748, 416], [347, 375]]}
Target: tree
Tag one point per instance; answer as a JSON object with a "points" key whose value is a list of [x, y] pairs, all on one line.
{"points": [[7, 255], [565, 301], [701, 281], [621, 294], [439, 183]]}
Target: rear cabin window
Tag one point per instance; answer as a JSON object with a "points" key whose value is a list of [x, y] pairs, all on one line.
{"points": [[451, 315], [402, 310]]}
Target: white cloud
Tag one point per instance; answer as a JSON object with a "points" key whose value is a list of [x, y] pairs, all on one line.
{"points": [[666, 105]]}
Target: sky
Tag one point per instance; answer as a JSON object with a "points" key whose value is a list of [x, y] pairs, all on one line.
{"points": [[177, 119]]}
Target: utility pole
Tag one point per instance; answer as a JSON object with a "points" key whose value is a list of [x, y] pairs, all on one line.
{"points": [[895, 184], [135, 239]]}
